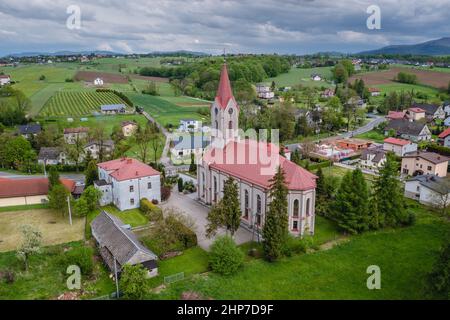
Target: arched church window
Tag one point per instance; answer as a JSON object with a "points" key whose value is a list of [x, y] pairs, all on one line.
{"points": [[230, 125], [296, 208], [216, 111], [217, 125], [308, 207], [258, 210]]}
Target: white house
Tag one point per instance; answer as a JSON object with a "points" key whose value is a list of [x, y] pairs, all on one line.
{"points": [[446, 107], [444, 138], [264, 91], [54, 156], [96, 147], [74, 135], [190, 125], [316, 77], [124, 182], [129, 128], [429, 189], [189, 144], [374, 92], [98, 82], [399, 146], [373, 159], [4, 80]]}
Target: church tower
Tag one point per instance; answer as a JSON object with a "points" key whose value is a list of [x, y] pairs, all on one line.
{"points": [[224, 111]]}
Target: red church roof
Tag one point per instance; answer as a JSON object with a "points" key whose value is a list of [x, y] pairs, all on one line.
{"points": [[127, 169], [242, 160], [224, 93]]}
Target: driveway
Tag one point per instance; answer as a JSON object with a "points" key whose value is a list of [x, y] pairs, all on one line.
{"points": [[198, 212]]}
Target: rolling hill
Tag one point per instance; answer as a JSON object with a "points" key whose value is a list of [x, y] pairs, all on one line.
{"points": [[431, 48]]}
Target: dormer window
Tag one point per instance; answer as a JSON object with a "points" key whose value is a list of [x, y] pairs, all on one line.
{"points": [[230, 111]]}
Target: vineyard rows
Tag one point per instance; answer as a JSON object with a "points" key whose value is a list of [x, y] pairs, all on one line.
{"points": [[78, 103]]}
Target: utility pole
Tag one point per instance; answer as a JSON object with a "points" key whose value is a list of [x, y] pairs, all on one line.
{"points": [[70, 210], [115, 277]]}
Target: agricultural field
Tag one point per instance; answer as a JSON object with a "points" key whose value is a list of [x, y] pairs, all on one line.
{"points": [[164, 111], [68, 103], [298, 76], [425, 77]]}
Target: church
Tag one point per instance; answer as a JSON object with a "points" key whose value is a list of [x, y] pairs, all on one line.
{"points": [[245, 160]]}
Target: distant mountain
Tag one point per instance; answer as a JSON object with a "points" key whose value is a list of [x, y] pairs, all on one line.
{"points": [[97, 52], [430, 48]]}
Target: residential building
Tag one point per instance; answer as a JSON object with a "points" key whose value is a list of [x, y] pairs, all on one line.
{"points": [[113, 108], [429, 190], [447, 122], [19, 192], [72, 135], [399, 146], [373, 158], [98, 82], [95, 147], [4, 80], [189, 144], [432, 111], [328, 93], [124, 182], [354, 144], [129, 128], [238, 159], [444, 138], [374, 92], [446, 107], [29, 130], [414, 131], [415, 114], [53, 156], [420, 163], [316, 77], [190, 125], [395, 115], [264, 91], [119, 246]]}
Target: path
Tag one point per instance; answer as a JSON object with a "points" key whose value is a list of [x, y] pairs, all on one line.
{"points": [[198, 212]]}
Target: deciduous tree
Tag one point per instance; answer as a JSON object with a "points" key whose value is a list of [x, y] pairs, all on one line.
{"points": [[31, 244]]}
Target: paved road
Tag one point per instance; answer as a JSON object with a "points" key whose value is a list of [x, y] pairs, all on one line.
{"points": [[198, 212], [78, 177]]}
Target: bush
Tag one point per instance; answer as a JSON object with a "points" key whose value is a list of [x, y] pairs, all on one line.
{"points": [[81, 257], [165, 193], [297, 245], [8, 276], [189, 187], [180, 185], [153, 212], [185, 235], [133, 282], [225, 257]]}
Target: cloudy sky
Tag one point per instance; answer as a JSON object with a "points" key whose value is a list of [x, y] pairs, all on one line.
{"points": [[240, 26]]}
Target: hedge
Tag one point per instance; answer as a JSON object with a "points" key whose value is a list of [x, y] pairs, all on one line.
{"points": [[439, 149], [185, 235], [153, 212]]}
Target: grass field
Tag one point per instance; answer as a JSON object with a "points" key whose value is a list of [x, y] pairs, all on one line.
{"points": [[405, 256], [78, 103], [298, 76], [55, 228], [46, 278], [372, 135], [164, 111]]}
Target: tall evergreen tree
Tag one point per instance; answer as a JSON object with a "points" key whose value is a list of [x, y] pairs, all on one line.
{"points": [[275, 231], [351, 207], [53, 177], [321, 188], [91, 173], [388, 202]]}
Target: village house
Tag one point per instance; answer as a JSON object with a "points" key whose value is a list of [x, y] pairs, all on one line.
{"points": [[447, 122], [53, 156], [189, 144], [125, 182], [328, 93], [446, 107], [429, 190], [420, 163], [4, 80], [119, 246], [98, 82], [414, 131], [444, 138], [415, 114], [72, 135], [19, 192], [113, 108], [399, 146], [264, 91], [395, 115], [372, 158], [95, 147], [432, 111], [189, 125], [238, 159], [128, 128], [30, 130], [374, 92], [316, 77], [354, 144]]}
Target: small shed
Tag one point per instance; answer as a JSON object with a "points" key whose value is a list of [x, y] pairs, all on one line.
{"points": [[117, 242]]}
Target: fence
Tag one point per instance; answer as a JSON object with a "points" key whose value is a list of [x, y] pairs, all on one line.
{"points": [[174, 278]]}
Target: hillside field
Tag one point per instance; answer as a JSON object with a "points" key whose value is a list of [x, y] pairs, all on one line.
{"points": [[78, 103], [298, 76]]}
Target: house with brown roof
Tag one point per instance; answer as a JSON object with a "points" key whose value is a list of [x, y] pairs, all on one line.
{"points": [[420, 163], [415, 114], [405, 129], [4, 80], [129, 128], [432, 111], [28, 191], [444, 138], [399, 146], [124, 182], [72, 135]]}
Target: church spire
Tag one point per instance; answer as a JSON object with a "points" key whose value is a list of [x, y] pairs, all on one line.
{"points": [[224, 93]]}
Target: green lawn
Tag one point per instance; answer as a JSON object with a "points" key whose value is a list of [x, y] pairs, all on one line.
{"points": [[164, 111], [24, 207], [374, 135], [405, 256], [46, 278], [298, 76], [192, 261]]}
